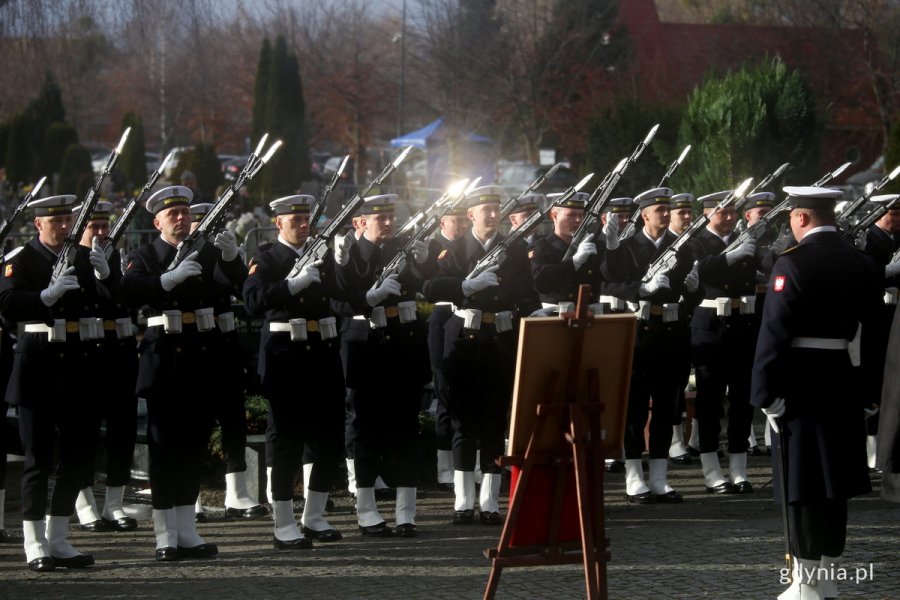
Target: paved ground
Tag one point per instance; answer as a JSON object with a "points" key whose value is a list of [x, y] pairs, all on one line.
{"points": [[708, 547]]}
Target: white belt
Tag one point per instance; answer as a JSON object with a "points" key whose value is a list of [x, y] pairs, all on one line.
{"points": [[614, 303], [890, 296], [562, 307], [474, 319], [668, 311], [87, 328], [298, 328], [405, 311], [724, 305], [172, 320], [852, 347], [225, 321]]}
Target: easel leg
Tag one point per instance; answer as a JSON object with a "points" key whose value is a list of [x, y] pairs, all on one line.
{"points": [[493, 580]]}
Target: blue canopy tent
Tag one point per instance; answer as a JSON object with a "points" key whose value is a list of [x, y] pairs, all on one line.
{"points": [[475, 155]]}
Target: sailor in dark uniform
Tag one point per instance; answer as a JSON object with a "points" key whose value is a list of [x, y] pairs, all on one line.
{"points": [[524, 208], [117, 405], [453, 225], [229, 408], [299, 343], [722, 329], [661, 326], [479, 349], [822, 292], [384, 339], [50, 380], [178, 362]]}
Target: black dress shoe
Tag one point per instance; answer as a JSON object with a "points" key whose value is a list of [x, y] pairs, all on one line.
{"points": [[79, 561], [684, 459], [200, 517], [95, 526], [246, 513], [42, 564], [464, 517], [756, 451], [645, 498], [693, 451], [380, 530], [672, 497], [2, 535], [742, 487], [326, 535], [491, 518], [199, 551], [121, 524], [445, 487], [722, 488], [615, 466], [167, 554], [406, 530], [303, 543]]}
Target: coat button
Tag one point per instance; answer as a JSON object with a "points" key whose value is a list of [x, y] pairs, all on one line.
{"points": [[178, 350], [590, 272], [175, 303], [387, 337], [301, 299], [725, 287], [309, 348], [646, 328], [62, 354]]}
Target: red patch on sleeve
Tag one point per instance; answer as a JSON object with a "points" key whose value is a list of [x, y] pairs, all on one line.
{"points": [[531, 254], [131, 264], [778, 285], [442, 254], [7, 272], [252, 269]]}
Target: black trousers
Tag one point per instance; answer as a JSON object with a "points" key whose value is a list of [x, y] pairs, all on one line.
{"points": [[818, 528], [228, 407], [443, 426]]}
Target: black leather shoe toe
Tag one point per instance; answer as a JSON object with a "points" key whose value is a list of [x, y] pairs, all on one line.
{"points": [[79, 561], [645, 498], [672, 497], [684, 459], [490, 518], [756, 451], [406, 530], [742, 487], [122, 524], [42, 564], [722, 488], [615, 466], [167, 554], [464, 517], [693, 451], [303, 543], [199, 551], [380, 530], [326, 535], [95, 526], [200, 517], [246, 513]]}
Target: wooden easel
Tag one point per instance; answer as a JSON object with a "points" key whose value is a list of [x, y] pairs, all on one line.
{"points": [[578, 450]]}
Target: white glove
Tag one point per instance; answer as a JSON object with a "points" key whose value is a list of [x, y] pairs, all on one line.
{"points": [[692, 281], [98, 260], [658, 282], [861, 240], [773, 412], [482, 281], [611, 231], [65, 283], [389, 287], [305, 278], [227, 243], [745, 250], [586, 248], [187, 268], [892, 269], [420, 251], [342, 249]]}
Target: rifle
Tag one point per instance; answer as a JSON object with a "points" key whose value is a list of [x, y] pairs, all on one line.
{"points": [[854, 206], [756, 230], [452, 192], [594, 206], [510, 205], [398, 263], [66, 257], [109, 244], [6, 225], [668, 259], [864, 223], [498, 253], [769, 178], [636, 217], [323, 202], [317, 250], [197, 239]]}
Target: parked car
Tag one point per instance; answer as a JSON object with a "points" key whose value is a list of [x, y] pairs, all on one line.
{"points": [[332, 165], [169, 172], [232, 167], [317, 162]]}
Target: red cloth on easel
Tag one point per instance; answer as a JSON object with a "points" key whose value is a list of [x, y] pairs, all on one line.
{"points": [[533, 523]]}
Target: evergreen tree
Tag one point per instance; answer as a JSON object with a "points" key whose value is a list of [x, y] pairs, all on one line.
{"points": [[746, 124], [204, 163], [4, 140], [76, 174], [260, 92], [19, 152], [45, 110], [133, 162], [57, 138]]}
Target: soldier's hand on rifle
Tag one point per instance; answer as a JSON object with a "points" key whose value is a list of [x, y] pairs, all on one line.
{"points": [[389, 287], [692, 281], [892, 269], [860, 241], [226, 242], [64, 283], [773, 412], [585, 249], [98, 260], [305, 278], [420, 251], [480, 282], [185, 269], [745, 250], [659, 282], [342, 249], [611, 231]]}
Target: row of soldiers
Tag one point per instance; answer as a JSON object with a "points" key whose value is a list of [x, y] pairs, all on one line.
{"points": [[344, 355]]}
